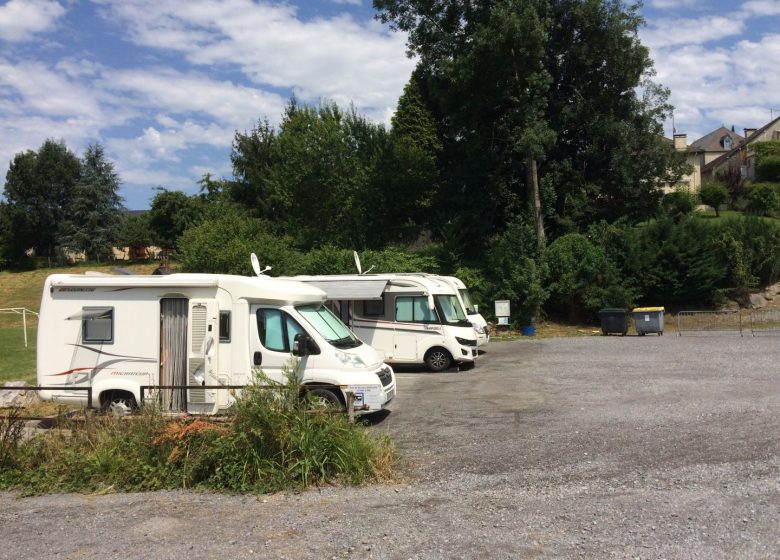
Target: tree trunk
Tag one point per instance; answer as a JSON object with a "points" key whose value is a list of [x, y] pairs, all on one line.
{"points": [[532, 181]]}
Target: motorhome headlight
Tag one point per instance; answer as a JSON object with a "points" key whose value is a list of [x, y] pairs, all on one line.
{"points": [[478, 328], [350, 359], [466, 341]]}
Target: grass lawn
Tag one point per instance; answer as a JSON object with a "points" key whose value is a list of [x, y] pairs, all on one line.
{"points": [[17, 363]]}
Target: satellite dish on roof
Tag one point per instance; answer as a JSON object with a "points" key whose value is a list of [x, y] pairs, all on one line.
{"points": [[357, 264], [256, 265]]}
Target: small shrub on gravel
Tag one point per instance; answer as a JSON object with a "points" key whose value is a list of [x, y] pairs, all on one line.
{"points": [[274, 440]]}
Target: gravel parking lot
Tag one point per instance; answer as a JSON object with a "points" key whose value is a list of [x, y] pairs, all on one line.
{"points": [[596, 447]]}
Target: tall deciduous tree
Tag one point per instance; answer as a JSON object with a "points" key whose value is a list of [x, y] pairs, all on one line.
{"points": [[547, 86], [38, 188], [172, 212], [94, 213]]}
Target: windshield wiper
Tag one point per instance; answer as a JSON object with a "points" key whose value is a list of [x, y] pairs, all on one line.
{"points": [[345, 342]]}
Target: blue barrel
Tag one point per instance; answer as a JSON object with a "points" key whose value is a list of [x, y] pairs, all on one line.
{"points": [[527, 330]]}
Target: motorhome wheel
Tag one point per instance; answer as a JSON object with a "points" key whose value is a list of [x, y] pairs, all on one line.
{"points": [[437, 359], [119, 404], [323, 397]]}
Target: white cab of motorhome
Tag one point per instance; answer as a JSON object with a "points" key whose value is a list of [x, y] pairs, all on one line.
{"points": [[119, 333], [410, 318], [477, 320], [480, 325]]}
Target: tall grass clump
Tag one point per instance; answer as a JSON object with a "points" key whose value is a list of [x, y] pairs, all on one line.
{"points": [[273, 440]]}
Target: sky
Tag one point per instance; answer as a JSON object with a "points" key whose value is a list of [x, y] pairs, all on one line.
{"points": [[164, 85]]}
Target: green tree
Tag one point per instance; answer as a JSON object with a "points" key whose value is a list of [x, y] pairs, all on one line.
{"points": [[94, 212], [135, 232], [714, 194], [768, 169], [172, 212], [38, 189], [405, 178], [764, 199], [566, 81], [252, 156]]}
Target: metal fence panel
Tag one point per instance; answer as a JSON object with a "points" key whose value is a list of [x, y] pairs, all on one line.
{"points": [[765, 322], [710, 322]]}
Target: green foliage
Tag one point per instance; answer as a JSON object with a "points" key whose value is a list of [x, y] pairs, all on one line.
{"points": [[516, 270], [763, 199], [766, 149], [679, 204], [768, 169], [38, 189], [223, 241], [277, 441], [583, 279], [172, 212], [714, 194], [135, 231], [94, 213]]}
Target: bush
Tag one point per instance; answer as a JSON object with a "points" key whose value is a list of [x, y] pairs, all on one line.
{"points": [[583, 279], [516, 270], [768, 169], [679, 204], [223, 242], [714, 194], [276, 441], [763, 199]]}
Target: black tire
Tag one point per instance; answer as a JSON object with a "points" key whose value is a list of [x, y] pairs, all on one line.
{"points": [[118, 403], [320, 396], [438, 359]]}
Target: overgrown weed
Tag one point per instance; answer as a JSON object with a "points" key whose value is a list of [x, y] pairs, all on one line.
{"points": [[273, 440]]}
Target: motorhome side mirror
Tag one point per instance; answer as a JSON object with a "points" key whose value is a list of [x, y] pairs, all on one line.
{"points": [[431, 305], [258, 359], [476, 309], [301, 345]]}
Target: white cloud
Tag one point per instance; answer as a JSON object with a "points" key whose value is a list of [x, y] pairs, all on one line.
{"points": [[728, 85], [350, 2], [665, 4], [671, 32], [337, 58], [21, 19], [762, 7]]}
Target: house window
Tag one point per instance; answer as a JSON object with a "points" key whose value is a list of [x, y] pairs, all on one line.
{"points": [[726, 142], [224, 326], [97, 326], [414, 310]]}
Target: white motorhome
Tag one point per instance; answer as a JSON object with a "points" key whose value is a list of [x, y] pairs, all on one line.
{"points": [[116, 334], [410, 318], [480, 325]]}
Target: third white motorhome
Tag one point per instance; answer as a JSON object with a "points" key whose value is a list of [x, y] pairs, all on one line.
{"points": [[116, 334], [410, 318]]}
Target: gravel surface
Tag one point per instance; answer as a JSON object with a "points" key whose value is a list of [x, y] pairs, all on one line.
{"points": [[597, 447]]}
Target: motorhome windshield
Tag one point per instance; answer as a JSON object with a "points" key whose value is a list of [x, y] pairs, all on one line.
{"points": [[466, 297], [450, 309], [329, 326]]}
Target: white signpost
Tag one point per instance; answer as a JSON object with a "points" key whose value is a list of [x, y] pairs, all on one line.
{"points": [[502, 311]]}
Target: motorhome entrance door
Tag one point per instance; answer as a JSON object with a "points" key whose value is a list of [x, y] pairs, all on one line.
{"points": [[173, 352]]}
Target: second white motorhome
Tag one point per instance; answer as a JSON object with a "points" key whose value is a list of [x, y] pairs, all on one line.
{"points": [[410, 318], [116, 334]]}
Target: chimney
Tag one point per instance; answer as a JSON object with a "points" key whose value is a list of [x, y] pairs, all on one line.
{"points": [[749, 132], [680, 142]]}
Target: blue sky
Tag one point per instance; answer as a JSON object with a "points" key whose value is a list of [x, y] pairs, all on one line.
{"points": [[164, 84]]}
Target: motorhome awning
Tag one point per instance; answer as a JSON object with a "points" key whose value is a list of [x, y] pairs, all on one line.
{"points": [[94, 313], [351, 289]]}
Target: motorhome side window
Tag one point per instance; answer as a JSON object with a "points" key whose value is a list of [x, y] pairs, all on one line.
{"points": [[97, 325], [414, 310], [277, 330], [373, 307], [224, 326]]}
